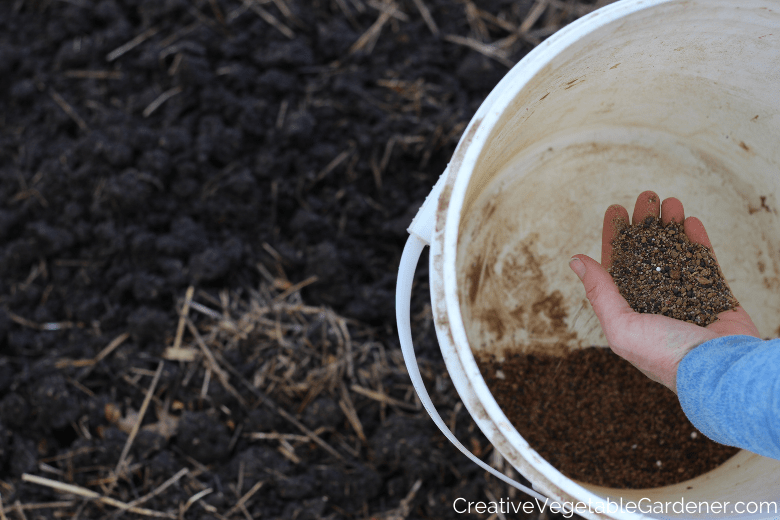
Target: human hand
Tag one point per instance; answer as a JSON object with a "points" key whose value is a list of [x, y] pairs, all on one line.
{"points": [[653, 343]]}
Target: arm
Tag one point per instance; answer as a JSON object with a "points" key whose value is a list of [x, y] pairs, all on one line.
{"points": [[729, 388]]}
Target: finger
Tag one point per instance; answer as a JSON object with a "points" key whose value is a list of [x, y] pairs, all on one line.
{"points": [[602, 293], [672, 211], [696, 233], [615, 219], [647, 205]]}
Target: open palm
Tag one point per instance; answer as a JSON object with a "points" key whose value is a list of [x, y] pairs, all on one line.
{"points": [[653, 343]]}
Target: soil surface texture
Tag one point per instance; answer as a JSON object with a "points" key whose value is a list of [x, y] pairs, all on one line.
{"points": [[599, 420], [203, 204], [658, 270]]}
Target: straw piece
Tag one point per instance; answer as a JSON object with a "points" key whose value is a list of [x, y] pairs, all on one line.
{"points": [[348, 15], [194, 498], [19, 510], [577, 8], [348, 340], [205, 310], [385, 159], [310, 434], [178, 34], [162, 98], [475, 22], [185, 310], [382, 398], [405, 507], [257, 436], [81, 387], [287, 13], [269, 18], [180, 354], [371, 35], [217, 12], [243, 500], [288, 452], [68, 109], [498, 514], [533, 15], [93, 74], [213, 365], [112, 346], [498, 22], [406, 504], [427, 18], [33, 507], [159, 489], [88, 493], [135, 42], [74, 363], [212, 362], [141, 413], [24, 322], [483, 48], [391, 9], [70, 454], [348, 408], [333, 164], [282, 114], [273, 252], [204, 389], [359, 6], [295, 288]]}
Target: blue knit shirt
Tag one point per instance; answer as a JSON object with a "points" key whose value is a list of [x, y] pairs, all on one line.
{"points": [[729, 388]]}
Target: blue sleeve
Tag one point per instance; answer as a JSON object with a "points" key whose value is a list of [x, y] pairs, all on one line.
{"points": [[729, 388]]}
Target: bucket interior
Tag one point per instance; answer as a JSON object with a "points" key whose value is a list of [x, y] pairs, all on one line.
{"points": [[680, 98]]}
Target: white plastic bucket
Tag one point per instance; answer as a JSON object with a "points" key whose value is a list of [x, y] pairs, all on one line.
{"points": [[677, 96]]}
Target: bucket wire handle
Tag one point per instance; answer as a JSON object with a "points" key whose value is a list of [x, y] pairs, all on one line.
{"points": [[421, 231]]}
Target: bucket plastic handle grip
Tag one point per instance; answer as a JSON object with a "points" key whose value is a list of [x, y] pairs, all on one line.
{"points": [[421, 231]]}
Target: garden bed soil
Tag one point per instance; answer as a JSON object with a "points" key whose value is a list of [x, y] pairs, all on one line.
{"points": [[270, 155]]}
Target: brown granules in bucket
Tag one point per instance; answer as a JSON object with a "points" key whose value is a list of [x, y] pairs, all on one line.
{"points": [[658, 270], [599, 420]]}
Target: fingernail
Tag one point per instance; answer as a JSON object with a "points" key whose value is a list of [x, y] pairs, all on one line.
{"points": [[578, 267]]}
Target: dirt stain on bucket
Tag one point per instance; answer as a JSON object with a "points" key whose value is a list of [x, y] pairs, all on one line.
{"points": [[473, 276], [510, 300]]}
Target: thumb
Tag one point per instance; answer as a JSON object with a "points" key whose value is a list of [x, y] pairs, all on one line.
{"points": [[601, 291]]}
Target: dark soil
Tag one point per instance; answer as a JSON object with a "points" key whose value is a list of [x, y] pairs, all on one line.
{"points": [[597, 419], [239, 148], [658, 270]]}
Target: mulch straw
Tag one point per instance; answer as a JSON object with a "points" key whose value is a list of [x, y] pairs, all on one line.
{"points": [[303, 351]]}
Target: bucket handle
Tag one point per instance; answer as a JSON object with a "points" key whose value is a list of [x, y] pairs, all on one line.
{"points": [[421, 232]]}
